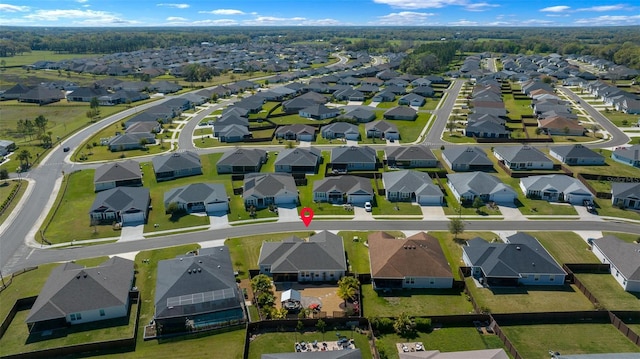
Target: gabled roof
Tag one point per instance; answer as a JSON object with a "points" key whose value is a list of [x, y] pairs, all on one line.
{"points": [[197, 192], [467, 155], [242, 157], [408, 181], [522, 254], [119, 171], [72, 288], [407, 153], [478, 183], [297, 128], [631, 152], [404, 111], [417, 256], [557, 183], [329, 354], [323, 251], [344, 184], [576, 151], [122, 199], [625, 256], [625, 189], [340, 127], [520, 154], [381, 126], [298, 157], [192, 280], [364, 154], [319, 110], [475, 354], [268, 185], [559, 122], [176, 161]]}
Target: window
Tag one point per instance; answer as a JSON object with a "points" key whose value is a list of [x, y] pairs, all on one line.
{"points": [[551, 278], [78, 316], [536, 277], [102, 313], [409, 280], [73, 317]]}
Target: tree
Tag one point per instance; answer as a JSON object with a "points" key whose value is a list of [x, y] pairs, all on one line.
{"points": [[173, 208], [261, 283], [4, 174], [404, 325], [41, 124], [321, 325], [95, 105], [46, 140], [456, 227], [26, 128], [348, 288], [478, 203], [24, 156]]}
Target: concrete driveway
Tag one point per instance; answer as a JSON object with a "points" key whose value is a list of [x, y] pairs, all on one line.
{"points": [[433, 213], [288, 214], [359, 214], [586, 215], [131, 233], [511, 212], [218, 220]]}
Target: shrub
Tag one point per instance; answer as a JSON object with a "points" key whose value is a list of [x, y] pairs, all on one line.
{"points": [[423, 324], [381, 351], [382, 325]]}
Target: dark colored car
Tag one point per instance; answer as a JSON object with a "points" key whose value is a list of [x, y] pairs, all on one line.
{"points": [[589, 205], [66, 149]]}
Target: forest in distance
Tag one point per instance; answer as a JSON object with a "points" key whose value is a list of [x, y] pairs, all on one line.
{"points": [[618, 44]]}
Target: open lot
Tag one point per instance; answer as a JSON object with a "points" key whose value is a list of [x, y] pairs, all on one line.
{"points": [[609, 292], [452, 248], [565, 247], [575, 339], [284, 342]]}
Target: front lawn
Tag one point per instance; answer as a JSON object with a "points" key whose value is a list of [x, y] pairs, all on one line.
{"points": [[415, 302], [589, 338], [566, 247], [609, 292]]}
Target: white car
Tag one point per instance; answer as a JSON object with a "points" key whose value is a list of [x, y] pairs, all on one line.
{"points": [[367, 206]]}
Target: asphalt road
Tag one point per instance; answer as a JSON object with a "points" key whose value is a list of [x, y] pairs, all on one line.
{"points": [[434, 135]]}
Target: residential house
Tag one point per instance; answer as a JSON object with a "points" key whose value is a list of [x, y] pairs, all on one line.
{"points": [[6, 147], [41, 96], [353, 158], [361, 114], [625, 194], [340, 130], [416, 156], [319, 112], [522, 158], [233, 133], [74, 294], [486, 129], [411, 186], [198, 197], [261, 190], [343, 189], [424, 91], [417, 262], [623, 259], [14, 92], [382, 129], [296, 132], [627, 155], [577, 155], [176, 165], [460, 158], [521, 260], [555, 188], [144, 127], [298, 160], [321, 258], [404, 113], [118, 174], [125, 205], [86, 94], [412, 99], [131, 141], [197, 292], [467, 186], [241, 160], [560, 126], [384, 96]]}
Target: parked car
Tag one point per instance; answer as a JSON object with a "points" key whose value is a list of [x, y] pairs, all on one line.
{"points": [[66, 149], [368, 207], [589, 206]]}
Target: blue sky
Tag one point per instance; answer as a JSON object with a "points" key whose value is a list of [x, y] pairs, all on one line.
{"points": [[118, 13]]}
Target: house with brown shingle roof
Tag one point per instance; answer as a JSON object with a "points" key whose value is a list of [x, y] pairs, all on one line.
{"points": [[415, 262]]}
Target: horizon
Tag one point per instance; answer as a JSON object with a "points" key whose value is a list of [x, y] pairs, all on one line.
{"points": [[328, 13]]}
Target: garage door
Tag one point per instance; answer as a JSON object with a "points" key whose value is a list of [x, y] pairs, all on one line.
{"points": [[503, 198], [132, 218], [217, 207], [429, 200], [359, 199]]}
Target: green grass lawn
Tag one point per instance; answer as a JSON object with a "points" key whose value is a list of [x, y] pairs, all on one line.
{"points": [[611, 167], [529, 298], [444, 339], [32, 56], [5, 191], [415, 302], [566, 247], [384, 207], [306, 193], [609, 292], [619, 118], [589, 338], [245, 251], [283, 342], [516, 108]]}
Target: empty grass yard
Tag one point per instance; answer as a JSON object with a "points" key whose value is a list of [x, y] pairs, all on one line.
{"points": [[284, 342], [566, 247], [415, 302], [443, 339], [529, 298], [609, 293], [535, 341]]}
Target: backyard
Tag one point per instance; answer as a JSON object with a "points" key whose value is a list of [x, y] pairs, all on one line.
{"points": [[415, 302], [284, 342], [565, 247], [609, 292]]}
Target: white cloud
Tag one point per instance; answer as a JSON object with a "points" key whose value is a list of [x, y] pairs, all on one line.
{"points": [[223, 12], [559, 8], [481, 6], [176, 19], [323, 22], [217, 22], [610, 20], [403, 18], [421, 4], [175, 6], [82, 1], [602, 8], [13, 8], [80, 17], [464, 22]]}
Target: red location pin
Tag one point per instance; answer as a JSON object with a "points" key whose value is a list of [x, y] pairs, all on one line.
{"points": [[307, 216]]}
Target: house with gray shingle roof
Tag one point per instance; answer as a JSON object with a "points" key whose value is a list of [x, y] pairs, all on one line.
{"points": [[382, 129], [340, 130], [321, 258], [241, 160], [296, 132], [625, 194], [627, 155], [198, 197], [130, 141], [410, 157], [126, 205], [118, 174], [577, 155], [195, 292], [555, 188], [361, 114], [412, 99], [176, 165], [233, 133], [522, 158], [623, 259], [467, 186], [343, 189], [264, 189], [298, 160], [404, 113], [460, 158], [522, 260], [353, 158], [319, 112], [411, 186], [41, 96], [74, 294]]}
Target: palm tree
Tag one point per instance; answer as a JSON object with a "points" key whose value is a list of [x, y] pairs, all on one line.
{"points": [[24, 156], [348, 288]]}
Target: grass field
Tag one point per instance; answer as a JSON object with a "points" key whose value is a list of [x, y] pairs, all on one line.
{"points": [[627, 237], [415, 302], [575, 339], [609, 292], [29, 58], [5, 191], [565, 247], [283, 342]]}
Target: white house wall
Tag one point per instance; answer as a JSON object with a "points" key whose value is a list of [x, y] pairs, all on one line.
{"points": [[541, 279], [94, 314], [424, 282]]}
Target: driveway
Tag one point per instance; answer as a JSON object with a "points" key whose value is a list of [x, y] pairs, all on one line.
{"points": [[586, 215], [511, 212], [218, 220], [288, 214], [131, 233], [433, 213], [359, 214]]}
